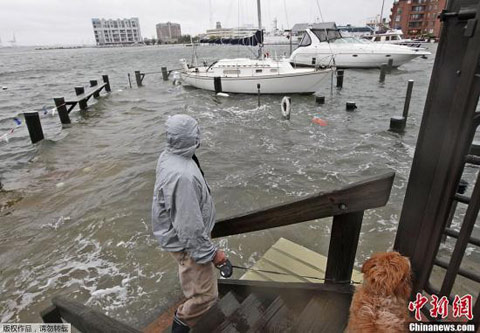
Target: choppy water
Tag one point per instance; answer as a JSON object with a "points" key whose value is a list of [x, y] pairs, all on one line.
{"points": [[82, 226]]}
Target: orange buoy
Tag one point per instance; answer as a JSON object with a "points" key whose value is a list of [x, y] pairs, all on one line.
{"points": [[319, 121]]}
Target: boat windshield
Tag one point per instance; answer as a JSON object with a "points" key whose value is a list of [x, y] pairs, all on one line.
{"points": [[350, 40], [326, 34], [306, 40]]}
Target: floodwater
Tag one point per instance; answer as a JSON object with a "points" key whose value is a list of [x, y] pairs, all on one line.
{"points": [[76, 218]]}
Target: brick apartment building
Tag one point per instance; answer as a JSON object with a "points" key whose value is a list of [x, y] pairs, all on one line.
{"points": [[417, 18]]}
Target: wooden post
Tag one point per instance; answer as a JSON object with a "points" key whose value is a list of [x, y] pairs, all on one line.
{"points": [[397, 124], [83, 102], [129, 81], [343, 247], [165, 73], [406, 107], [340, 74], [383, 72], [51, 315], [32, 119], [94, 83], [62, 110], [320, 99], [138, 78], [390, 66], [258, 93], [217, 83], [351, 106], [107, 81]]}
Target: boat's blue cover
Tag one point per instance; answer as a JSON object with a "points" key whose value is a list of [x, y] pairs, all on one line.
{"points": [[253, 40]]}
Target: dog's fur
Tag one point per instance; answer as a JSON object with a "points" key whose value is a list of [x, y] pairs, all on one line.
{"points": [[381, 303]]}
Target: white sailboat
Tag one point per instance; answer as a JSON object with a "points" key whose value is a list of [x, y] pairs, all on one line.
{"points": [[318, 46], [251, 76]]}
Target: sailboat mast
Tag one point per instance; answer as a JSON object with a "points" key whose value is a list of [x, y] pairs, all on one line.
{"points": [[259, 10], [380, 24]]}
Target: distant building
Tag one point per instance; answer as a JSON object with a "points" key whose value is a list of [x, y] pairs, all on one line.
{"points": [[417, 18], [219, 32], [168, 32], [117, 32]]}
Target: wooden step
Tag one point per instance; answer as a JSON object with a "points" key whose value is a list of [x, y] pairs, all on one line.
{"points": [[275, 319], [324, 313], [227, 305], [245, 317]]}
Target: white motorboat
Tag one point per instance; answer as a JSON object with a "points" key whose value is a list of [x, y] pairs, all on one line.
{"points": [[250, 76], [394, 37], [322, 46]]}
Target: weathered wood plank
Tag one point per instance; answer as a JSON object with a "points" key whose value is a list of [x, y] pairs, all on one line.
{"points": [[343, 247], [356, 197], [88, 320], [274, 289]]}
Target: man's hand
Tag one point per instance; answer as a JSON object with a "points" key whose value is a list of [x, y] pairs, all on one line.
{"points": [[220, 258]]}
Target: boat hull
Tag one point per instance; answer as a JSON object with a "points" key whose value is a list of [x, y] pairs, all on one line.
{"points": [[292, 83], [354, 59]]}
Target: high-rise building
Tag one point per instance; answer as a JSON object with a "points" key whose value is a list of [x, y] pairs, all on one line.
{"points": [[117, 32], [417, 18], [168, 32]]}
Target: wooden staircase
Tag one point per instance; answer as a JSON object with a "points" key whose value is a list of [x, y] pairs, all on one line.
{"points": [[256, 313]]}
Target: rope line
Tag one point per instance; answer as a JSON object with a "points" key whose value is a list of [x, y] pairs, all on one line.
{"points": [[288, 274]]}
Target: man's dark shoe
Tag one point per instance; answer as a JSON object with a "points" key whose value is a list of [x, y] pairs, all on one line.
{"points": [[179, 326]]}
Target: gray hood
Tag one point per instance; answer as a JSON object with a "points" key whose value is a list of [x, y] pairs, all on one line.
{"points": [[183, 135]]}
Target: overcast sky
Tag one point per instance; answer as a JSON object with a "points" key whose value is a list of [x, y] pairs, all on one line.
{"points": [[49, 22]]}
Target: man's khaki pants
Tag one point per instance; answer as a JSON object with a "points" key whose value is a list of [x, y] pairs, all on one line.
{"points": [[199, 285]]}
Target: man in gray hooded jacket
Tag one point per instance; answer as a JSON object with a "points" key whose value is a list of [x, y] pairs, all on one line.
{"points": [[183, 216]]}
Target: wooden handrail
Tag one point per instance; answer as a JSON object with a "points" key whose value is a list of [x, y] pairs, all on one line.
{"points": [[84, 318], [357, 197]]}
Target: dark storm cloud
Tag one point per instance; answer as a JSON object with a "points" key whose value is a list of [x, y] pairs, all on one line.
{"points": [[37, 22]]}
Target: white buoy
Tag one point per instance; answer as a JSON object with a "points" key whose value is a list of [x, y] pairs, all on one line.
{"points": [[223, 94], [176, 79], [286, 107]]}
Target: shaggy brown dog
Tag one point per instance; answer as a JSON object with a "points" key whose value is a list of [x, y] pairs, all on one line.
{"points": [[381, 303]]}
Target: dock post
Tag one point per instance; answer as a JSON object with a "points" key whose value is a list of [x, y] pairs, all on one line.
{"points": [[62, 110], [320, 99], [32, 119], [389, 66], [164, 73], [83, 102], [398, 123], [258, 93], [340, 74], [129, 81], [383, 72], [94, 83], [107, 81], [351, 106], [138, 78], [217, 84], [408, 97]]}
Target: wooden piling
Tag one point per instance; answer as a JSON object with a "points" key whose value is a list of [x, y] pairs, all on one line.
{"points": [[165, 73], [383, 72], [62, 110], [138, 78], [351, 106], [32, 119], [340, 74], [83, 102], [129, 81], [258, 93], [320, 99], [408, 97], [107, 81], [389, 66], [217, 84], [94, 83]]}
